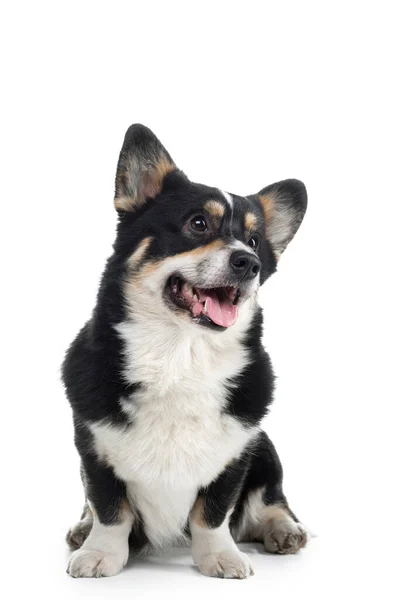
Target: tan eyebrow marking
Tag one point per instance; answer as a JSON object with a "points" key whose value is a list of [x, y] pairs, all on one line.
{"points": [[250, 221], [215, 208]]}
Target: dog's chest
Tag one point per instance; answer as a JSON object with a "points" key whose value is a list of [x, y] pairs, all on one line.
{"points": [[179, 437], [179, 434]]}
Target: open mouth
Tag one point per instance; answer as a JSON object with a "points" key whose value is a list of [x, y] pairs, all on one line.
{"points": [[214, 306]]}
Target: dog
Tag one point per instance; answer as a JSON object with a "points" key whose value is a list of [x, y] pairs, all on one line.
{"points": [[168, 381]]}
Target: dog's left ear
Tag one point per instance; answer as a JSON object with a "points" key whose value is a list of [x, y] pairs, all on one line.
{"points": [[284, 204], [143, 164]]}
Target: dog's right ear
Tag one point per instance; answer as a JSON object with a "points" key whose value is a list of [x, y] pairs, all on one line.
{"points": [[143, 164]]}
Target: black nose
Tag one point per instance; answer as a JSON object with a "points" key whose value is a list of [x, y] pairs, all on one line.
{"points": [[245, 265]]}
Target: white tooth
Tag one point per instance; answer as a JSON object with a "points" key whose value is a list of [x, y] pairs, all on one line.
{"points": [[205, 310], [195, 298], [188, 289]]}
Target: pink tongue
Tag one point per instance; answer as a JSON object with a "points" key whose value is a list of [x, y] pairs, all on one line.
{"points": [[221, 311]]}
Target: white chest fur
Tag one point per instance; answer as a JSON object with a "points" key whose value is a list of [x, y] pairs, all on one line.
{"points": [[179, 438]]}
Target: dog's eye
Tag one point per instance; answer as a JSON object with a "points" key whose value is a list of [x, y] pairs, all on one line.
{"points": [[253, 242], [199, 223]]}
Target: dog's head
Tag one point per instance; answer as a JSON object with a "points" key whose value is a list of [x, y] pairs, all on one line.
{"points": [[192, 253]]}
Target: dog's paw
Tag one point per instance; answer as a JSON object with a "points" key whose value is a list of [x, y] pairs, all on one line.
{"points": [[229, 564], [94, 563], [78, 534], [284, 536]]}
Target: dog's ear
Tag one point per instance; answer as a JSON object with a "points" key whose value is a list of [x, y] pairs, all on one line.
{"points": [[284, 204], [143, 164]]}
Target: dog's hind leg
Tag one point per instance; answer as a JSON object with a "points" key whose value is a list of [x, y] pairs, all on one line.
{"points": [[80, 531], [262, 513]]}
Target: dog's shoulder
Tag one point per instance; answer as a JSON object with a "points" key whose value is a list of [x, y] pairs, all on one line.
{"points": [[91, 373]]}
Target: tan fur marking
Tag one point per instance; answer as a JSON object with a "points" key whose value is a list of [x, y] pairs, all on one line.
{"points": [[197, 513], [268, 205], [162, 168], [250, 221], [139, 253], [215, 245], [151, 266], [215, 208], [123, 203], [146, 270], [124, 510], [151, 186]]}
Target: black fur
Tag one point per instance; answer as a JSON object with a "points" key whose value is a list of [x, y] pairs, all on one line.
{"points": [[252, 395], [222, 493]]}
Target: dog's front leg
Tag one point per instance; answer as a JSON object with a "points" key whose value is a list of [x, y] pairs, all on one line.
{"points": [[213, 548], [106, 549]]}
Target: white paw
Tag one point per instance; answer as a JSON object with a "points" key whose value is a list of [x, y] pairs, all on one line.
{"points": [[94, 563], [284, 536], [229, 564]]}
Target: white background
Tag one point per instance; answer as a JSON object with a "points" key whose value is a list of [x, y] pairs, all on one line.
{"points": [[242, 94]]}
